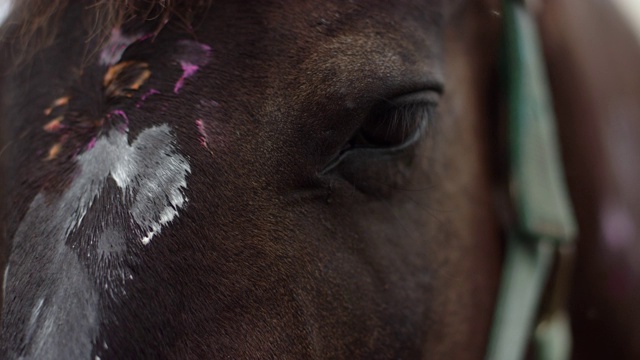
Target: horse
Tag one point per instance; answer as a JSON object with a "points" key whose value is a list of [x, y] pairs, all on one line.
{"points": [[284, 179]]}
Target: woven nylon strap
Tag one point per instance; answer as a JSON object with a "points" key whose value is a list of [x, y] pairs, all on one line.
{"points": [[544, 219]]}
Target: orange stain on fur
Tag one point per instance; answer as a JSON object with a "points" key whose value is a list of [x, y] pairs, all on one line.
{"points": [[54, 151], [140, 80], [113, 71], [54, 125], [124, 77], [120, 80], [61, 101]]}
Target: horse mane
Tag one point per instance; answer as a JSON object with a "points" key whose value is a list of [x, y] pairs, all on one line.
{"points": [[32, 24]]}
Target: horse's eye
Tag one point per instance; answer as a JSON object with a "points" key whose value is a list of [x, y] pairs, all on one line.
{"points": [[390, 129], [397, 123], [393, 127]]}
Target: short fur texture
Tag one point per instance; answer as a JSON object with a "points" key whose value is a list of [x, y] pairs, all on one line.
{"points": [[233, 240]]}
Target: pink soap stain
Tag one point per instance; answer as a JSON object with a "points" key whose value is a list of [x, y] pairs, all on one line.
{"points": [[145, 96], [91, 144], [149, 93], [191, 56], [203, 133], [124, 126], [188, 69], [146, 36]]}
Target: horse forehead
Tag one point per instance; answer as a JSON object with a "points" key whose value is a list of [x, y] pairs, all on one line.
{"points": [[352, 24], [329, 47], [327, 18]]}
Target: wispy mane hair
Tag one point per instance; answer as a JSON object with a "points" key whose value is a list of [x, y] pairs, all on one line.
{"points": [[32, 24]]}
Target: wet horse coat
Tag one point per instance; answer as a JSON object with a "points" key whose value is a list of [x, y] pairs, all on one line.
{"points": [[171, 201], [268, 179]]}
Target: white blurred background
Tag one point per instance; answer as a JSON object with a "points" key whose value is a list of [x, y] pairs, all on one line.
{"points": [[4, 9], [631, 10]]}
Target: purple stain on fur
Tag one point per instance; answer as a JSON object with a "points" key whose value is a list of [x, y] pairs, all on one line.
{"points": [[203, 133], [191, 56], [188, 69], [149, 93], [91, 143], [116, 45], [124, 126], [122, 114], [145, 96], [147, 36]]}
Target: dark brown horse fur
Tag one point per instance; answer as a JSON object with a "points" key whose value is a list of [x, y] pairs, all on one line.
{"points": [[250, 179]]}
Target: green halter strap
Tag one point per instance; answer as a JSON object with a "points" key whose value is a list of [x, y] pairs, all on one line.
{"points": [[544, 227]]}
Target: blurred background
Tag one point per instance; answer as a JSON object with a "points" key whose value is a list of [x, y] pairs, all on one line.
{"points": [[4, 7], [631, 10]]}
